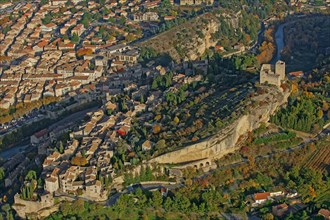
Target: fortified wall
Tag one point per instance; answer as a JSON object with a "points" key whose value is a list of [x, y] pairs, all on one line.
{"points": [[273, 74], [225, 140]]}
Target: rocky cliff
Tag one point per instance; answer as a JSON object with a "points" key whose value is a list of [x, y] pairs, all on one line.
{"points": [[39, 209], [188, 40], [259, 109]]}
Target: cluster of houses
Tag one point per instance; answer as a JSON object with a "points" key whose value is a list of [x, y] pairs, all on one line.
{"points": [[293, 205], [39, 60], [87, 158], [302, 3], [196, 2], [39, 64]]}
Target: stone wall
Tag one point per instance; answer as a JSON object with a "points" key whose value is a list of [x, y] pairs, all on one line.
{"points": [[225, 140]]}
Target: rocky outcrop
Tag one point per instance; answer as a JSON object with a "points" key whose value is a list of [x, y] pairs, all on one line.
{"points": [[39, 209], [259, 110], [188, 40]]}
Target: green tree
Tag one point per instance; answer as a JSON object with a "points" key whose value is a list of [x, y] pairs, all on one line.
{"points": [[65, 37], [142, 199], [154, 85], [304, 215], [182, 202], [6, 29], [148, 174], [161, 144], [75, 38], [157, 199], [6, 208], [122, 105], [264, 180], [2, 173], [168, 204], [31, 175], [268, 216], [44, 2], [122, 20], [47, 19], [61, 148]]}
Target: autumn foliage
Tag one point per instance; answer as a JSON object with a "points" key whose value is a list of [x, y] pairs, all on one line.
{"points": [[4, 20], [156, 129], [84, 51], [4, 58], [267, 48], [79, 161]]}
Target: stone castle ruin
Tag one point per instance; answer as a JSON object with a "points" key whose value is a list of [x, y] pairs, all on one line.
{"points": [[273, 74]]}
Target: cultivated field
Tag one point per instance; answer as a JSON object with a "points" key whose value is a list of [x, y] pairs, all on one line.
{"points": [[320, 160]]}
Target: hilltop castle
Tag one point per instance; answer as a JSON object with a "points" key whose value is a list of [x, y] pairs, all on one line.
{"points": [[273, 74]]}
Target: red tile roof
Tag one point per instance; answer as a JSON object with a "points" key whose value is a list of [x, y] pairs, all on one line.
{"points": [[297, 73], [261, 196], [41, 133]]}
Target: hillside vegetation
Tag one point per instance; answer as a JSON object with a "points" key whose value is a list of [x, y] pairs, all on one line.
{"points": [[193, 38], [308, 108], [306, 42]]}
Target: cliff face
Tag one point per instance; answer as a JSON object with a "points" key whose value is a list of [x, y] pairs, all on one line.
{"points": [[188, 40], [225, 141]]}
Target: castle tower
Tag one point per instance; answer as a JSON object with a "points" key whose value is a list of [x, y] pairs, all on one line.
{"points": [[280, 69]]}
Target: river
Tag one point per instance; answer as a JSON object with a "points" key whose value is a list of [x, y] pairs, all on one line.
{"points": [[279, 40]]}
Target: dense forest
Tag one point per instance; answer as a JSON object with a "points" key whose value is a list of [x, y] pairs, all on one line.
{"points": [[301, 114], [308, 107], [306, 42]]}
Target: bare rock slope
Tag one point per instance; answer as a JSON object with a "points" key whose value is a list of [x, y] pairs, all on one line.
{"points": [[188, 40]]}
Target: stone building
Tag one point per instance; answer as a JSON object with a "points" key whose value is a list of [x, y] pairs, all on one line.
{"points": [[52, 182], [196, 2], [148, 16], [130, 56], [273, 74]]}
